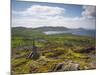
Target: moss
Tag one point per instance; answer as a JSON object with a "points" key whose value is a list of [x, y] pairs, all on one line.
{"points": [[58, 48], [18, 62]]}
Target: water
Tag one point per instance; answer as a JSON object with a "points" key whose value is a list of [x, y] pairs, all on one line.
{"points": [[54, 32], [74, 32]]}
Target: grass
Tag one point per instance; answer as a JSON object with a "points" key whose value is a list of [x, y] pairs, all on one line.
{"points": [[54, 49]]}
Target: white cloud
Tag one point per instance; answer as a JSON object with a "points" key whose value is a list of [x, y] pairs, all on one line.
{"points": [[89, 11], [37, 16], [41, 11], [55, 21]]}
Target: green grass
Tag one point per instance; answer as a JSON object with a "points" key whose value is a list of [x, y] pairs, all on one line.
{"points": [[56, 49]]}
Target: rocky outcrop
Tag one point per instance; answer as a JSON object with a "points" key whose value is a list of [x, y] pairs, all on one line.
{"points": [[57, 67], [65, 66]]}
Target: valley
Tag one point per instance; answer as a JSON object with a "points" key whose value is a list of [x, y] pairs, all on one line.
{"points": [[34, 51]]}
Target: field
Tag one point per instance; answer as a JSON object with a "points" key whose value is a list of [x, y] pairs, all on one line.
{"points": [[53, 53]]}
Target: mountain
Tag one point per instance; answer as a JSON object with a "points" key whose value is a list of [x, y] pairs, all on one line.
{"points": [[83, 32], [22, 31], [49, 28]]}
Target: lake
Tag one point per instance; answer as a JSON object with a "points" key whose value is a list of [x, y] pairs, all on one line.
{"points": [[74, 32]]}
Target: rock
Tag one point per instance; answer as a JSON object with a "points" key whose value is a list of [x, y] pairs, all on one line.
{"points": [[70, 66], [93, 65], [34, 54], [56, 67], [86, 68], [86, 50]]}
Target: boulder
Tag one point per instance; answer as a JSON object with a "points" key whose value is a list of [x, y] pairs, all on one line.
{"points": [[69, 66], [56, 67]]}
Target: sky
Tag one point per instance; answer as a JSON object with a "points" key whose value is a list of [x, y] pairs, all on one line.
{"points": [[38, 14]]}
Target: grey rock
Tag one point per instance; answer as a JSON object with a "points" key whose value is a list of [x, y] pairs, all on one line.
{"points": [[70, 66]]}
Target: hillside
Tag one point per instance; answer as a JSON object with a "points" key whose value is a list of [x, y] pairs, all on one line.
{"points": [[43, 29], [50, 53], [22, 31]]}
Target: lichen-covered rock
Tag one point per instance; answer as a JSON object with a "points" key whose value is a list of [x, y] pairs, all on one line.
{"points": [[69, 66], [56, 67]]}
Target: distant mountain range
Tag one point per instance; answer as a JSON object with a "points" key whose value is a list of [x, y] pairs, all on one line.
{"points": [[51, 29], [54, 30]]}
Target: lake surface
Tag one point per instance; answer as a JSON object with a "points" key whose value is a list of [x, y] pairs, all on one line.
{"points": [[54, 32], [74, 32]]}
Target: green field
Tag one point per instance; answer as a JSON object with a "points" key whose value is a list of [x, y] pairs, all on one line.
{"points": [[65, 49]]}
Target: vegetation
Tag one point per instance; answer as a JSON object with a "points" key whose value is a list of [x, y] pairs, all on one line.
{"points": [[53, 49]]}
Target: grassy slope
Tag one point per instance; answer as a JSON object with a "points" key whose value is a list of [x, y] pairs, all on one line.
{"points": [[55, 49]]}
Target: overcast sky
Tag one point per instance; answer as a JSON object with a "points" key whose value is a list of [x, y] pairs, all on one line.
{"points": [[35, 14]]}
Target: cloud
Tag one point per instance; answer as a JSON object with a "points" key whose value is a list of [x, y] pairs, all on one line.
{"points": [[36, 16], [89, 11], [76, 22], [41, 11]]}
